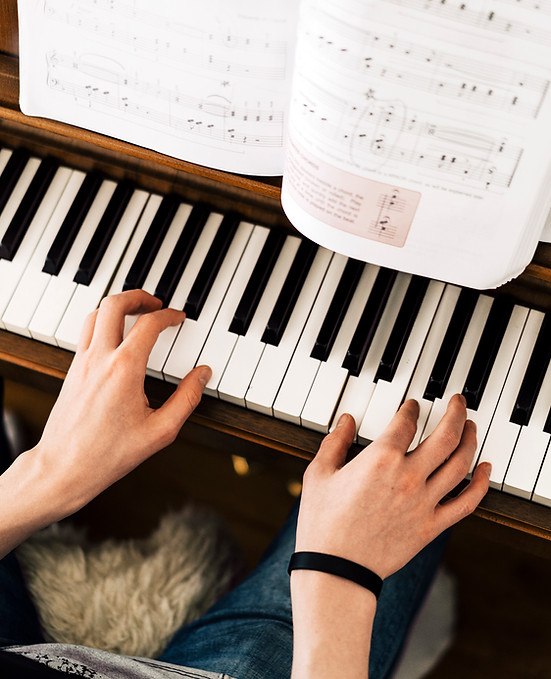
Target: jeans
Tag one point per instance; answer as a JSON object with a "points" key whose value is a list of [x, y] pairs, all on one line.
{"points": [[248, 633]]}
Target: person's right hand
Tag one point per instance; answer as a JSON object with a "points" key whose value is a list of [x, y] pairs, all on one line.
{"points": [[384, 506]]}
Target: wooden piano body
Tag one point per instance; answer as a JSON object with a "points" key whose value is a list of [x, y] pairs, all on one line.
{"points": [[45, 366]]}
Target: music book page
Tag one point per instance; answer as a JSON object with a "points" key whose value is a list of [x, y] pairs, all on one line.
{"points": [[420, 135], [207, 83]]}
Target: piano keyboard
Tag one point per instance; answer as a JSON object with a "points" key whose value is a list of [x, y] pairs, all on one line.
{"points": [[290, 329]]}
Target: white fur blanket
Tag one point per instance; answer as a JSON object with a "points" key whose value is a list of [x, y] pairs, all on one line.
{"points": [[129, 596]]}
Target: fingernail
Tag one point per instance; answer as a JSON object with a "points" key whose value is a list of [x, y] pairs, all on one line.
{"points": [[472, 425], [342, 420], [487, 468], [205, 374], [463, 400]]}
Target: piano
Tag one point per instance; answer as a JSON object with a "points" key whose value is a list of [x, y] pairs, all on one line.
{"points": [[295, 334]]}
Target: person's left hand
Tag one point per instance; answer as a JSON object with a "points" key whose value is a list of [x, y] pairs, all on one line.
{"points": [[102, 425]]}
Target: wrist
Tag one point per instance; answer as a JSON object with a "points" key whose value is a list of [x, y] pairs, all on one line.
{"points": [[332, 622], [32, 494]]}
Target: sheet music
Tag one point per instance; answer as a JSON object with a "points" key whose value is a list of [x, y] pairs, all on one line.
{"points": [[207, 82], [445, 104]]}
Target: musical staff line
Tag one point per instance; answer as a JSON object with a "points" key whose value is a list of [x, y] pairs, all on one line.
{"points": [[203, 123], [386, 132], [458, 11], [270, 64]]}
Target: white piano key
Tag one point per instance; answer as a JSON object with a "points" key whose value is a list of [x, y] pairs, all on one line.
{"points": [[428, 356], [17, 194], [462, 363], [167, 246], [87, 297], [358, 390], [388, 396], [273, 364], [12, 271], [5, 155], [193, 334], [542, 491], [135, 243], [302, 370], [331, 376], [482, 416], [502, 434], [163, 346], [31, 286], [220, 342], [249, 348], [531, 446], [157, 268], [60, 289]]}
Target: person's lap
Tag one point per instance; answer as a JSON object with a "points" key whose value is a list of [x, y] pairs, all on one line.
{"points": [[248, 633]]}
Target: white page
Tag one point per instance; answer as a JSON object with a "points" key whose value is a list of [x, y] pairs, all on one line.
{"points": [[420, 133], [546, 233], [207, 82]]}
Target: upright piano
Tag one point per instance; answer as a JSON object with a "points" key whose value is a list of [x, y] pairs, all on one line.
{"points": [[173, 183]]}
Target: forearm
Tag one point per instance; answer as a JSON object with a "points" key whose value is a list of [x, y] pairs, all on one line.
{"points": [[31, 497], [332, 624]]}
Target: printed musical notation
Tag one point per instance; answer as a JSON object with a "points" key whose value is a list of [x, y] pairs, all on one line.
{"points": [[196, 86], [383, 133], [396, 103], [95, 82], [459, 11], [390, 206], [385, 58], [188, 47]]}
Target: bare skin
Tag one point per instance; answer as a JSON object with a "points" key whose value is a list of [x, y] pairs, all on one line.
{"points": [[379, 510]]}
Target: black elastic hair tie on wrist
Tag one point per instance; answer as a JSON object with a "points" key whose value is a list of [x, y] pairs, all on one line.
{"points": [[336, 565]]}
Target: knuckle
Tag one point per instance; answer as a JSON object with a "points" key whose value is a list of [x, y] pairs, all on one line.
{"points": [[465, 507], [449, 439]]}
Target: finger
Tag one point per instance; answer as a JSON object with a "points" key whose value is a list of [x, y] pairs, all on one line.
{"points": [[437, 447], [166, 421], [109, 327], [401, 431], [334, 447], [456, 467], [87, 331], [145, 332], [466, 502]]}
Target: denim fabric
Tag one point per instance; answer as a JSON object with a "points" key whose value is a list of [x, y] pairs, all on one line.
{"points": [[248, 633]]}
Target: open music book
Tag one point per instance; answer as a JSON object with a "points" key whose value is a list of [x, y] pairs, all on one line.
{"points": [[414, 134]]}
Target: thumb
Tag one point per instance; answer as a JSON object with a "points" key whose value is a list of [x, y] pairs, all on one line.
{"points": [[176, 410]]}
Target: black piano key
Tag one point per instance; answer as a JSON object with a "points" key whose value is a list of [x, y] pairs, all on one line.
{"points": [[487, 350], [182, 251], [337, 309], [26, 211], [209, 270], [69, 229], [11, 174], [369, 321], [402, 328], [533, 377], [103, 234], [451, 344], [151, 243], [289, 293], [252, 294]]}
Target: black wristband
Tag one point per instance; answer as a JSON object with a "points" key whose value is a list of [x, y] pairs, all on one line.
{"points": [[336, 565]]}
